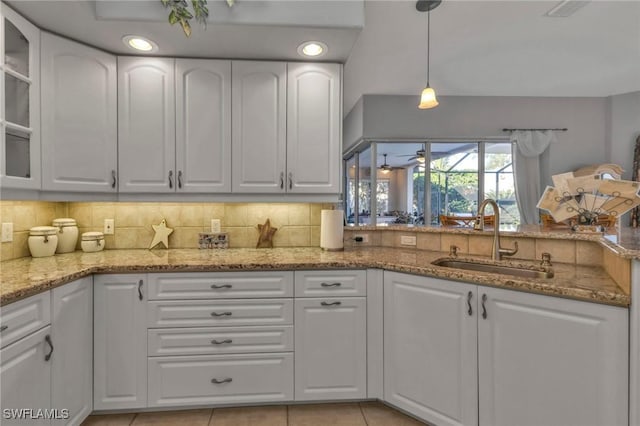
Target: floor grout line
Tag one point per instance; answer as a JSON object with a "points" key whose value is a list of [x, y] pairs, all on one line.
{"points": [[362, 413], [210, 417], [133, 419]]}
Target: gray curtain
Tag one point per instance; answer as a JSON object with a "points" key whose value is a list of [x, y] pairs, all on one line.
{"points": [[526, 150]]}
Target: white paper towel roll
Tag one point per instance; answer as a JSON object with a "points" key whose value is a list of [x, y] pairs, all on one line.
{"points": [[331, 229]]}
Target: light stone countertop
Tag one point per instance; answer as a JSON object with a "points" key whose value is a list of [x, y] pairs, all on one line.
{"points": [[24, 277]]}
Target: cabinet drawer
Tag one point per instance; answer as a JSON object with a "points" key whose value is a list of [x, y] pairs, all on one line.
{"points": [[202, 313], [220, 340], [228, 285], [220, 379], [24, 317], [330, 283]]}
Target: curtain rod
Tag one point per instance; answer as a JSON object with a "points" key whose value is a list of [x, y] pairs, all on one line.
{"points": [[532, 130]]}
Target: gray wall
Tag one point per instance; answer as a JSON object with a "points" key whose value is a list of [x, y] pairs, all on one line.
{"points": [[391, 116], [624, 130]]}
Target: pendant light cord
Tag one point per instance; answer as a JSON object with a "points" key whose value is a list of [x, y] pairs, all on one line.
{"points": [[428, 43]]}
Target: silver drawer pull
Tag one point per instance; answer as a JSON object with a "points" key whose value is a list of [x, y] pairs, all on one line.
{"points": [[219, 381], [221, 342], [220, 314], [331, 303], [3, 328], [331, 284], [218, 286]]}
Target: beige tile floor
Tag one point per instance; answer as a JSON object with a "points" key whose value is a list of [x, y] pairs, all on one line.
{"points": [[348, 414]]}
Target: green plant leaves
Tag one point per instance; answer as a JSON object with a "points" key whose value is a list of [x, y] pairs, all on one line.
{"points": [[181, 14]]}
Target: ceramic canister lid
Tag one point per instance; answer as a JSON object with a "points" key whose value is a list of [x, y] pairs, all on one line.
{"points": [[64, 221], [43, 230], [92, 236]]}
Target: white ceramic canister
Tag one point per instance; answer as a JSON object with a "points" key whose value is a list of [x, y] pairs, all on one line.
{"points": [[92, 242], [67, 234], [43, 241]]}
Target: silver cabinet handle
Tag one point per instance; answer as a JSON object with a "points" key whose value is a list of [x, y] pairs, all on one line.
{"points": [[331, 303], [179, 179], [113, 179], [484, 309], [469, 296], [140, 289], [281, 180], [47, 339], [219, 381], [219, 286], [170, 178], [221, 342], [290, 180], [221, 314], [3, 328], [331, 284]]}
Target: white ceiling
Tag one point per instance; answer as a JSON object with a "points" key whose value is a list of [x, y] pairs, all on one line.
{"points": [[496, 48], [492, 48]]}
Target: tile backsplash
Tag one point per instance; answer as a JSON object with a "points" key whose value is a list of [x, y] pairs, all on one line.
{"points": [[298, 223]]}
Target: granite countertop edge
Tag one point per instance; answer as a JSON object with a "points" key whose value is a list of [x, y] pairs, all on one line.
{"points": [[33, 276]]}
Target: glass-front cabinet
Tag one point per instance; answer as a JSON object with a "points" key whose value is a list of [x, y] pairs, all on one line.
{"points": [[20, 106]]}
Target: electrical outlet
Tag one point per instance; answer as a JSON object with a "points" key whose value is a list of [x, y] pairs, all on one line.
{"points": [[109, 227], [361, 238], [215, 226], [7, 232], [408, 240]]}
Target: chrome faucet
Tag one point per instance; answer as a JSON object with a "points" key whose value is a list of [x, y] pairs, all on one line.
{"points": [[496, 251]]}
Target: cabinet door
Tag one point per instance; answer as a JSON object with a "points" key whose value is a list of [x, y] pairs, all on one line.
{"points": [[259, 126], [146, 125], [330, 348], [551, 361], [72, 332], [79, 117], [203, 125], [313, 128], [20, 99], [25, 375], [120, 342], [430, 348]]}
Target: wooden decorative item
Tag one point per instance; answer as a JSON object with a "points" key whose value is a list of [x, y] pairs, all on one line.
{"points": [[265, 239], [635, 213], [162, 234]]}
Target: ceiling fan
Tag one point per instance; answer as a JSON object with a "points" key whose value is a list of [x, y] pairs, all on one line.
{"points": [[419, 155], [386, 168]]}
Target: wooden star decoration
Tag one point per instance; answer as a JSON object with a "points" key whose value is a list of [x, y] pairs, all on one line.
{"points": [[161, 234], [265, 239]]}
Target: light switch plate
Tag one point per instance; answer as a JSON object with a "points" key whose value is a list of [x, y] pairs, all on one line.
{"points": [[215, 226], [7, 232], [109, 227], [407, 240]]}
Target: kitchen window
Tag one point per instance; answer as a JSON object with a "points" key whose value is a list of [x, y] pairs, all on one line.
{"points": [[460, 175]]}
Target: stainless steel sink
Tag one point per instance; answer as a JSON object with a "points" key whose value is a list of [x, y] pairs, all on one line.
{"points": [[494, 268]]}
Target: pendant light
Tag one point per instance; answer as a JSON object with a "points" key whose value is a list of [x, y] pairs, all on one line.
{"points": [[385, 167], [428, 97]]}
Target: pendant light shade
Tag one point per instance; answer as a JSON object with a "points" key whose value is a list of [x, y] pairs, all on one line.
{"points": [[428, 97]]}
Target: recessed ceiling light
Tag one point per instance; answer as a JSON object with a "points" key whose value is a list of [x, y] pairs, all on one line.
{"points": [[312, 49], [139, 43]]}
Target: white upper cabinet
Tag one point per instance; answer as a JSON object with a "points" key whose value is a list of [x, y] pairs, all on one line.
{"points": [[20, 106], [203, 125], [313, 128], [259, 135], [79, 117], [146, 125]]}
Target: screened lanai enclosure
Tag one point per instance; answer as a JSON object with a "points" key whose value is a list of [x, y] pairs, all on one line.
{"points": [[416, 182]]}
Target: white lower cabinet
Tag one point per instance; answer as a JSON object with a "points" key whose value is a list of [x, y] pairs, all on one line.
{"points": [[72, 334], [120, 342], [540, 360], [220, 379], [550, 361], [430, 355], [331, 348], [25, 377]]}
